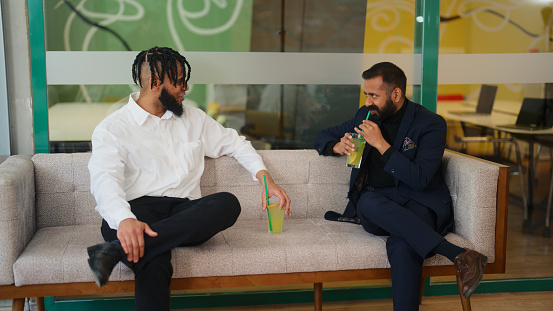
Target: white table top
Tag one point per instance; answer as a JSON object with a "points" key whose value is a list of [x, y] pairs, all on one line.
{"points": [[504, 112], [76, 121]]}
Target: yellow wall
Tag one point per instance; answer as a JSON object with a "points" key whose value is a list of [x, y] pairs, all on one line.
{"points": [[389, 28]]}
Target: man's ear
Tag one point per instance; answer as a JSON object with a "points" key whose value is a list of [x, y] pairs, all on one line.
{"points": [[156, 85], [396, 94]]}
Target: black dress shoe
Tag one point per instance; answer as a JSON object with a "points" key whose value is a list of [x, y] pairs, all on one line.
{"points": [[469, 266], [103, 258]]}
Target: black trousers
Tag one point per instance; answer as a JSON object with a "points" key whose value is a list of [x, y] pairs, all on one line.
{"points": [[178, 222], [411, 230]]}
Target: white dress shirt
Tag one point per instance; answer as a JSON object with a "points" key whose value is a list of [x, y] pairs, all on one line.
{"points": [[135, 154]]}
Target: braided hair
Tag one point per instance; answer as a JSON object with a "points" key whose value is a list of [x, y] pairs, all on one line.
{"points": [[162, 61]]}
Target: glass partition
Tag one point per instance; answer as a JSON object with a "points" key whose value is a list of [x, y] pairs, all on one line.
{"points": [[500, 26], [468, 31], [241, 100]]}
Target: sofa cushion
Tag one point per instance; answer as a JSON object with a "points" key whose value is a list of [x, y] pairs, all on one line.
{"points": [[63, 190], [17, 212], [473, 188], [58, 254], [68, 224], [316, 184]]}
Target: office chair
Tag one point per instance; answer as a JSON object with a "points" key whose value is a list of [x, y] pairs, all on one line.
{"points": [[488, 136]]}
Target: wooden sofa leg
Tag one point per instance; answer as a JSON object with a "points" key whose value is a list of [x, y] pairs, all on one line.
{"points": [[18, 304], [465, 303], [40, 304], [318, 287]]}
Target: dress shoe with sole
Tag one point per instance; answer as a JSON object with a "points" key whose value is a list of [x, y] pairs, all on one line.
{"points": [[469, 267], [102, 259]]}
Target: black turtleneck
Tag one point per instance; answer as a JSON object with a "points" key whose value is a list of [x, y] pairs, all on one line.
{"points": [[372, 167]]}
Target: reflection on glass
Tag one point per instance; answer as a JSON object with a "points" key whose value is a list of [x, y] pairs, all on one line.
{"points": [[476, 134], [283, 116], [108, 25], [308, 26], [275, 116], [375, 26], [289, 116], [225, 26]]}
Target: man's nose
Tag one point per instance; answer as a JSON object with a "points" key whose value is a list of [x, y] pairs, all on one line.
{"points": [[368, 101]]}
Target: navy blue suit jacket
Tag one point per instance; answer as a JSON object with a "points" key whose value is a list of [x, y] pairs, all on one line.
{"points": [[415, 162]]}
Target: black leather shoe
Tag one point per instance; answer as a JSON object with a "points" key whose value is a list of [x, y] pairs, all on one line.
{"points": [[103, 258], [469, 266]]}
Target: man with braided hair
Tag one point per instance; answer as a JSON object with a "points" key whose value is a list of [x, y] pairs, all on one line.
{"points": [[147, 161]]}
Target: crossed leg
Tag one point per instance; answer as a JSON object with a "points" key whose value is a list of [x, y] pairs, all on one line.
{"points": [[178, 222]]}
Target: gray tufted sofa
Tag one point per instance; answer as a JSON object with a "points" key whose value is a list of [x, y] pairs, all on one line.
{"points": [[47, 219]]}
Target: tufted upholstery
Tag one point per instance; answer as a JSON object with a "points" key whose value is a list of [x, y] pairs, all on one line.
{"points": [[47, 219]]}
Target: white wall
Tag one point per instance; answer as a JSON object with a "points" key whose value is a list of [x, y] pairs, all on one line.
{"points": [[4, 117], [18, 68]]}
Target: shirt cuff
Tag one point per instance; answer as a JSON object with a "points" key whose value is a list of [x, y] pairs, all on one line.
{"points": [[260, 168], [117, 217], [329, 146]]}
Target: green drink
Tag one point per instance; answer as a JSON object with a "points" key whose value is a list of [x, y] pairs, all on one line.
{"points": [[275, 218], [354, 160]]}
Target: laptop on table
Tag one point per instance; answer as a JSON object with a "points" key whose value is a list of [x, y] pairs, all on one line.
{"points": [[532, 115], [485, 102]]}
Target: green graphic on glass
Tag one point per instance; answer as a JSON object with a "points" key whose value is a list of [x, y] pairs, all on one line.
{"points": [[354, 160]]}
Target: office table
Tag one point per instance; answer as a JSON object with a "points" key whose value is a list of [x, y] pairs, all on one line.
{"points": [[70, 124], [76, 121], [504, 112]]}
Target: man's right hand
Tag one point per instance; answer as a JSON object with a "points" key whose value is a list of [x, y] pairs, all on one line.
{"points": [[131, 235], [345, 146]]}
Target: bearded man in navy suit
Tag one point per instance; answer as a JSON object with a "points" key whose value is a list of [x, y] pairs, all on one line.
{"points": [[399, 190]]}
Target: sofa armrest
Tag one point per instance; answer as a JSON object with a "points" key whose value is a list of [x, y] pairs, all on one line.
{"points": [[17, 211], [479, 191]]}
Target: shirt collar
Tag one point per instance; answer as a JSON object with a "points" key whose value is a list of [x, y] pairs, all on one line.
{"points": [[140, 115]]}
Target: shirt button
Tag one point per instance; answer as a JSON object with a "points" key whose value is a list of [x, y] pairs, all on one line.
{"points": [[393, 171]]}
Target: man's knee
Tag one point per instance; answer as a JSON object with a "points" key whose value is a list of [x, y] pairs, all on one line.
{"points": [[230, 204], [371, 220], [367, 211], [371, 205]]}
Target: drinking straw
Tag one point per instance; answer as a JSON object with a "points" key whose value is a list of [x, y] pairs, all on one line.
{"points": [[266, 191], [368, 114], [267, 195]]}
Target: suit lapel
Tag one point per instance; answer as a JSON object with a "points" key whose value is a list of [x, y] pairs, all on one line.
{"points": [[406, 122]]}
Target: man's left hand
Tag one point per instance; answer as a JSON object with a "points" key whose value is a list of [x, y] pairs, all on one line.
{"points": [[275, 190]]}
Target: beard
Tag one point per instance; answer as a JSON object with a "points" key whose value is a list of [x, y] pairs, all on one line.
{"points": [[170, 103], [386, 111]]}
